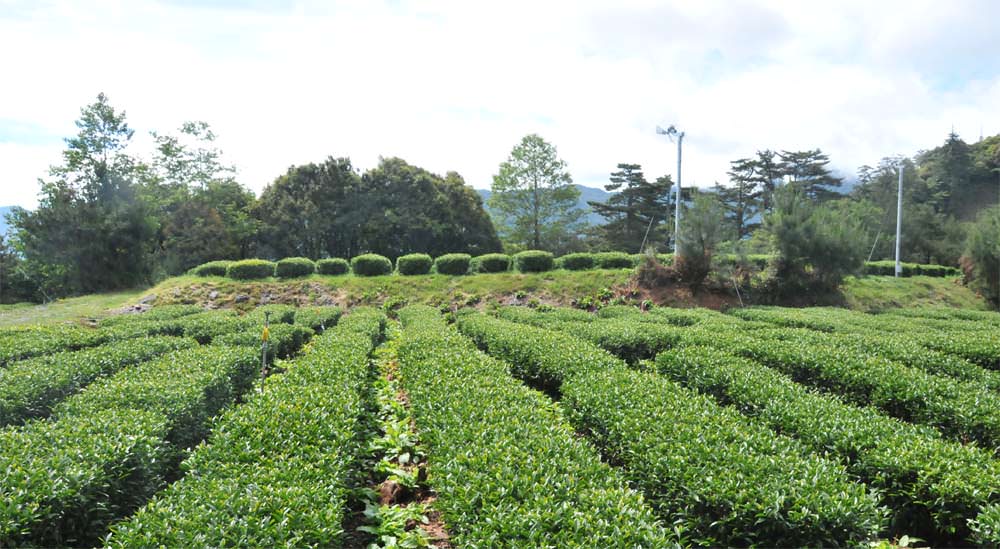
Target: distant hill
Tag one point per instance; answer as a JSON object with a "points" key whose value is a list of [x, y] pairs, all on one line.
{"points": [[586, 194], [4, 210]]}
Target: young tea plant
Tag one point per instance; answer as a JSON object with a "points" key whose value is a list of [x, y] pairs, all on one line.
{"points": [[394, 513]]}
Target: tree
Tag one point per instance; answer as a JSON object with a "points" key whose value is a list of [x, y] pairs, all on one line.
{"points": [[808, 170], [983, 249], [90, 231], [194, 193], [741, 200], [815, 247], [703, 230], [534, 197], [638, 207], [768, 176]]}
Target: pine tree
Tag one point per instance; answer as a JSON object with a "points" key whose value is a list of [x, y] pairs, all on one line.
{"points": [[638, 207], [741, 201], [808, 170]]}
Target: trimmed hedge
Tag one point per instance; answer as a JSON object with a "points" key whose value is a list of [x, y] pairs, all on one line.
{"points": [[318, 318], [614, 260], [708, 471], [292, 267], [288, 452], [533, 261], [371, 265], [112, 445], [333, 266], [508, 470], [414, 264], [249, 269], [284, 341], [44, 340], [932, 486], [212, 268], [452, 264], [960, 410], [490, 263], [577, 262], [30, 388], [888, 268]]}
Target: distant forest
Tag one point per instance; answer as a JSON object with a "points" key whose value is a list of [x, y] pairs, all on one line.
{"points": [[109, 219]]}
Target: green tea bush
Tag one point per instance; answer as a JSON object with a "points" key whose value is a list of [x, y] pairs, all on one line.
{"points": [[212, 268], [31, 387], [533, 261], [614, 260], [290, 449], [249, 269], [490, 263], [414, 264], [161, 312], [452, 264], [464, 401], [284, 341], [670, 441], [43, 340], [371, 265], [577, 261], [318, 318], [904, 462], [111, 446], [333, 266], [960, 410], [293, 267]]}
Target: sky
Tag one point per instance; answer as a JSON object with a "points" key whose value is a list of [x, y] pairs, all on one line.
{"points": [[454, 85]]}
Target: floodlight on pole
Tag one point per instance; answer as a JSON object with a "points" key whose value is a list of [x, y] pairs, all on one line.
{"points": [[671, 132], [899, 220]]}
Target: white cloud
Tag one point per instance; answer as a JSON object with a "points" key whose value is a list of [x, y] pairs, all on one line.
{"points": [[453, 85]]}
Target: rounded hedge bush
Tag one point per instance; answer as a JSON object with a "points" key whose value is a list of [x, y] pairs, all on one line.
{"points": [[614, 260], [414, 264], [452, 264], [490, 263], [533, 261], [333, 266], [291, 267], [577, 262], [250, 268], [371, 265], [212, 268]]}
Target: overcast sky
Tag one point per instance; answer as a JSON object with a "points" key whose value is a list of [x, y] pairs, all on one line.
{"points": [[454, 85]]}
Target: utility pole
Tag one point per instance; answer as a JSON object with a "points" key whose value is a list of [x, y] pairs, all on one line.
{"points": [[670, 132], [899, 220]]}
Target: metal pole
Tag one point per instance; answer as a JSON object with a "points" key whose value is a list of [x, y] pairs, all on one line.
{"points": [[899, 221], [677, 204]]}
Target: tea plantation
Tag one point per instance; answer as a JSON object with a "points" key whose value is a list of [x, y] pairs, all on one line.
{"points": [[503, 426]]}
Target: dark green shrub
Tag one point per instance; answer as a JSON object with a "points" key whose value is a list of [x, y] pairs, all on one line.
{"points": [[533, 261], [249, 269], [414, 264], [292, 267], [614, 260], [577, 261], [371, 265], [212, 268], [490, 263], [452, 264], [333, 266]]}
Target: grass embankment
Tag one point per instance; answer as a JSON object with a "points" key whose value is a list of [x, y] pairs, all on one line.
{"points": [[74, 309], [877, 293], [871, 293]]}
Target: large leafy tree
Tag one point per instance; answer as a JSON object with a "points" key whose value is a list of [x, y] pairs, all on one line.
{"points": [[328, 209], [535, 198], [983, 248], [203, 212], [810, 172], [90, 231], [636, 212]]}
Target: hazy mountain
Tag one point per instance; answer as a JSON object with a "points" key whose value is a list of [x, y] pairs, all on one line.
{"points": [[586, 194]]}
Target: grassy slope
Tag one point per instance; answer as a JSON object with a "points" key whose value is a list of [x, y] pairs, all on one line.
{"points": [[72, 309], [875, 293], [558, 287]]}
